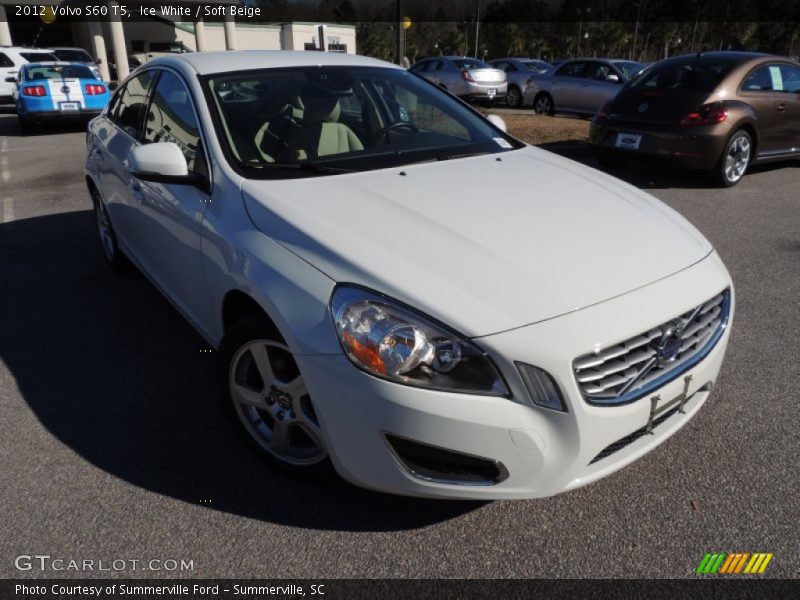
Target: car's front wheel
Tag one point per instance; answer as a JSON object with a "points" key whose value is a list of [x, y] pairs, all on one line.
{"points": [[266, 394], [735, 159]]}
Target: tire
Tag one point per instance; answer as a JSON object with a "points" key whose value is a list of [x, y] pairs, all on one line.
{"points": [[108, 238], [543, 104], [735, 159], [514, 97], [609, 160], [277, 418]]}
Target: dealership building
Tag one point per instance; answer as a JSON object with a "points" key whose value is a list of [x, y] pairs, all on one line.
{"points": [[115, 37]]}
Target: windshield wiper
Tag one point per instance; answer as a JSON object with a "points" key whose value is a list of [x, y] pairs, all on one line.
{"points": [[461, 155], [301, 166]]}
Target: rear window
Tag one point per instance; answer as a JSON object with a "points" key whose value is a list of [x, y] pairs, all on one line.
{"points": [[537, 65], [468, 63], [695, 75], [37, 72], [73, 56], [38, 56]]}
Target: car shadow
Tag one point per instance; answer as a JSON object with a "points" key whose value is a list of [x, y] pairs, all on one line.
{"points": [[115, 373], [9, 125], [651, 174]]}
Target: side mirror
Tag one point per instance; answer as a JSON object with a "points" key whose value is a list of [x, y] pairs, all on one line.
{"points": [[11, 80], [163, 162], [497, 122]]}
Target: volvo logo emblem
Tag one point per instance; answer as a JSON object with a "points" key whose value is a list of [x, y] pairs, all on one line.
{"points": [[643, 107], [669, 345]]}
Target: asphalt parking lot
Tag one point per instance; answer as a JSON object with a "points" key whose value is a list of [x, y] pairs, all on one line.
{"points": [[112, 445]]}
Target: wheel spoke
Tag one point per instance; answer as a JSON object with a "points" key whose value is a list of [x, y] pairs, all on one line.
{"points": [[279, 442], [263, 364], [245, 395]]}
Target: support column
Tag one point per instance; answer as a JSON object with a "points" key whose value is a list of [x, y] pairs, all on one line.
{"points": [[99, 48], [230, 32], [200, 35], [5, 32], [118, 41]]}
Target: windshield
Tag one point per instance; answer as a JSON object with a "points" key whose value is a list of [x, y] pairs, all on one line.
{"points": [[280, 123], [694, 74], [34, 72], [37, 56], [73, 56], [628, 68]]}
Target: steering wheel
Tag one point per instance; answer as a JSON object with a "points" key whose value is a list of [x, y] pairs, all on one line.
{"points": [[384, 131]]}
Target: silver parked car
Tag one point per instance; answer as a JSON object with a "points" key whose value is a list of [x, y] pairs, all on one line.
{"points": [[463, 76], [519, 72], [579, 86]]}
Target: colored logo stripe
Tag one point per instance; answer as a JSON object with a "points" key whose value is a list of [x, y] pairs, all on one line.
{"points": [[734, 563]]}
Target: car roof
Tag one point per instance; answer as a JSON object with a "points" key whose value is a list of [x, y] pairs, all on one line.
{"points": [[22, 49], [204, 63]]}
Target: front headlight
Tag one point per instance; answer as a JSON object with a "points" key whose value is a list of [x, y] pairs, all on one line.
{"points": [[391, 341]]}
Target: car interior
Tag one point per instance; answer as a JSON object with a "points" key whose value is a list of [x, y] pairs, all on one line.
{"points": [[295, 117]]}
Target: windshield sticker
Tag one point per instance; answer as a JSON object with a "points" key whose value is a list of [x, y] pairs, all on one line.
{"points": [[502, 143]]}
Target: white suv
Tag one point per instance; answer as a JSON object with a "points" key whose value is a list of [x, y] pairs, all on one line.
{"points": [[11, 59]]}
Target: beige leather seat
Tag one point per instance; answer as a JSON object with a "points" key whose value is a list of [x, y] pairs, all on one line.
{"points": [[321, 134], [284, 109]]}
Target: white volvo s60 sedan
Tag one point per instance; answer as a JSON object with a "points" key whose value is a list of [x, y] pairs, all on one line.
{"points": [[333, 226]]}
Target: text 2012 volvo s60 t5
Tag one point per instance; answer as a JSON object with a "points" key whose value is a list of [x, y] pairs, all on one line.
{"points": [[331, 225]]}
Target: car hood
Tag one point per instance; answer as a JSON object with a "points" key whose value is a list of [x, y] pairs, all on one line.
{"points": [[484, 244]]}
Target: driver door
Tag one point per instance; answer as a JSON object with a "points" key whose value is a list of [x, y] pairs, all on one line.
{"points": [[171, 215]]}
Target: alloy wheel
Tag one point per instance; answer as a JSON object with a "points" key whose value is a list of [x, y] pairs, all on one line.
{"points": [[271, 400], [543, 105], [513, 97], [737, 158], [104, 229]]}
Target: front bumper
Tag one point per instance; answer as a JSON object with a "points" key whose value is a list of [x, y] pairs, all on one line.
{"points": [[696, 147], [543, 452]]}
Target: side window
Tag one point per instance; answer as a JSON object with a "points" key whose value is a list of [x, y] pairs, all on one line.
{"points": [[171, 118], [129, 109], [436, 66], [574, 69], [502, 65], [420, 67], [759, 80], [510, 68], [790, 79], [5, 61]]}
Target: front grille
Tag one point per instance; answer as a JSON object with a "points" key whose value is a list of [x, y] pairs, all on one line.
{"points": [[633, 368]]}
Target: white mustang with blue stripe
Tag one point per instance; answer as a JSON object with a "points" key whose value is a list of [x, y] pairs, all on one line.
{"points": [[58, 91]]}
